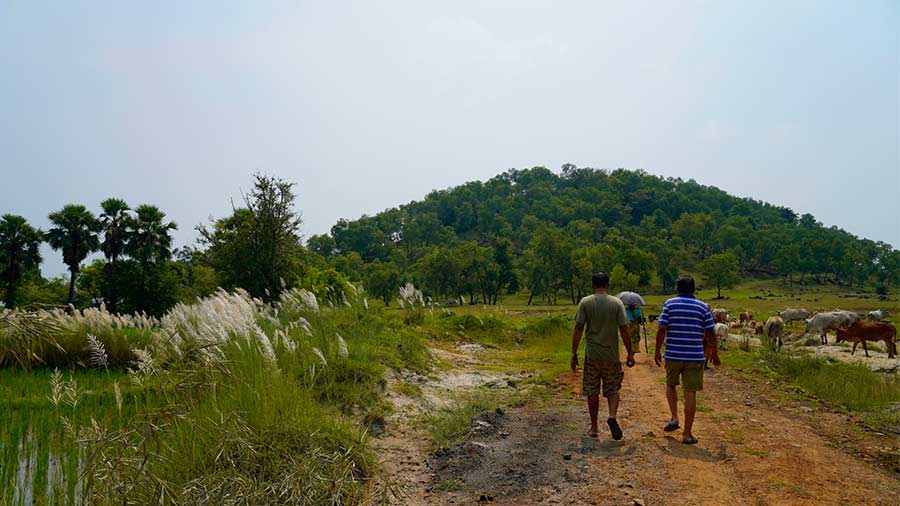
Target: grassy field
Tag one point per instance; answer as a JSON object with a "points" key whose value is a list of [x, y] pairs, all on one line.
{"points": [[274, 403], [250, 404]]}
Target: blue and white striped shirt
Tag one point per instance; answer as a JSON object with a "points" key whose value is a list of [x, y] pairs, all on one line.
{"points": [[686, 319]]}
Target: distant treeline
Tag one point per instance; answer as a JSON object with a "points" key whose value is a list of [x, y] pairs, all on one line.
{"points": [[524, 230], [544, 232]]}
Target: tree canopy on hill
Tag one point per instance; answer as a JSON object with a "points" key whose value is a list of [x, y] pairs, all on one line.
{"points": [[552, 229], [530, 230]]}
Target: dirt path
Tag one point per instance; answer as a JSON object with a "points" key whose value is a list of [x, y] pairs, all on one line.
{"points": [[754, 449]]}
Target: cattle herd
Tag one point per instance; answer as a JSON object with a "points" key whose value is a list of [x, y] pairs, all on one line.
{"points": [[847, 325]]}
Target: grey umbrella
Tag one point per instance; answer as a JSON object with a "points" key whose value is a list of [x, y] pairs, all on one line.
{"points": [[631, 298]]}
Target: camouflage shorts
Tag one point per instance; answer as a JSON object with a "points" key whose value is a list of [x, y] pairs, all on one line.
{"points": [[597, 372], [635, 330]]}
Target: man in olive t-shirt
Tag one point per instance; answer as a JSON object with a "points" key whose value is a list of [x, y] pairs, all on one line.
{"points": [[604, 318]]}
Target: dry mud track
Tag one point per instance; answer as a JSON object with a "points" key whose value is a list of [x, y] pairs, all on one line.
{"points": [[755, 449]]}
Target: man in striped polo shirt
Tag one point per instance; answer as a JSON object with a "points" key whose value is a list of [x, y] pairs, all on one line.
{"points": [[685, 323]]}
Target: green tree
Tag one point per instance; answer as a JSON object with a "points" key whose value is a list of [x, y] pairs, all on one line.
{"points": [[258, 248], [621, 280], [440, 272], [149, 241], [114, 220], [196, 278], [322, 245], [19, 254], [548, 263], [382, 281], [721, 270], [74, 231]]}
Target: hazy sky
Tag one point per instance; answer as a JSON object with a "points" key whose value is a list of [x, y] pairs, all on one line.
{"points": [[367, 105]]}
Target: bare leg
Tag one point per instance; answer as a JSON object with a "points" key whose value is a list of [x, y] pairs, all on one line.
{"points": [[672, 397], [613, 401], [690, 409], [593, 408]]}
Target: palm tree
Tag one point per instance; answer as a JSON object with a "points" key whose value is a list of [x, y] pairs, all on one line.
{"points": [[74, 232], [19, 253], [114, 220], [149, 241]]}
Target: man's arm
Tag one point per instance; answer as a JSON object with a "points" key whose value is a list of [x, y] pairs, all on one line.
{"points": [[576, 340], [660, 337], [713, 346], [626, 340]]}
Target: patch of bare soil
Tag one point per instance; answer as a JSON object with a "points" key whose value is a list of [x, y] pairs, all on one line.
{"points": [[524, 453], [755, 449]]}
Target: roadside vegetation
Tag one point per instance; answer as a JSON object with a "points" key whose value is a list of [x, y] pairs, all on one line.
{"points": [[228, 401], [839, 385]]}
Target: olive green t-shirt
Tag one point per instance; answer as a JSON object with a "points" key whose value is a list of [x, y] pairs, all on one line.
{"points": [[601, 315]]}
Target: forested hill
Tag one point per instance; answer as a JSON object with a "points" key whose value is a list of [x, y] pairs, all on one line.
{"points": [[537, 230]]}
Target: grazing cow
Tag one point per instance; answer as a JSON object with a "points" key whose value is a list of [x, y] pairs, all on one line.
{"points": [[869, 331], [879, 315], [823, 322], [720, 315], [774, 329], [847, 317], [652, 317], [722, 335], [789, 315], [745, 317]]}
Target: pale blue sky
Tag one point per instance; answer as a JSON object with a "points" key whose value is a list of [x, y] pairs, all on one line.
{"points": [[367, 105]]}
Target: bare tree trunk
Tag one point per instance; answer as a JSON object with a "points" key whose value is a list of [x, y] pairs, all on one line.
{"points": [[72, 274]]}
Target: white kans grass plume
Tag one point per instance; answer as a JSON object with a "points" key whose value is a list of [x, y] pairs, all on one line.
{"points": [[319, 354], [56, 387], [265, 345], [343, 352], [298, 300], [70, 392], [411, 297], [97, 356], [118, 392], [203, 327]]}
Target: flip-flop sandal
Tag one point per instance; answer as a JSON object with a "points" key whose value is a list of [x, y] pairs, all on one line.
{"points": [[614, 428], [671, 426], [691, 441]]}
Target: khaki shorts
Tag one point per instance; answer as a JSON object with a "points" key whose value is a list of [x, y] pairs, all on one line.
{"points": [[597, 372], [690, 372]]}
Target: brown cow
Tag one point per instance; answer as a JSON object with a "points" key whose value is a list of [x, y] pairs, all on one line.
{"points": [[745, 317], [869, 331], [720, 315]]}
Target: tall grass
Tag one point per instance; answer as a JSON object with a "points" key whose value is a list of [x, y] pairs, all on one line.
{"points": [[59, 339], [225, 401], [854, 386]]}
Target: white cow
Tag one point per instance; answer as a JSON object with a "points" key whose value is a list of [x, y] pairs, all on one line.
{"points": [[722, 335], [847, 317], [879, 315], [823, 322], [789, 315], [774, 329]]}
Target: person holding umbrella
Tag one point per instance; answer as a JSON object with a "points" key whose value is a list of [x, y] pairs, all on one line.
{"points": [[635, 316]]}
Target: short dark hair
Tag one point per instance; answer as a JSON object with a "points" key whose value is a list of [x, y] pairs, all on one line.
{"points": [[600, 280], [685, 284]]}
